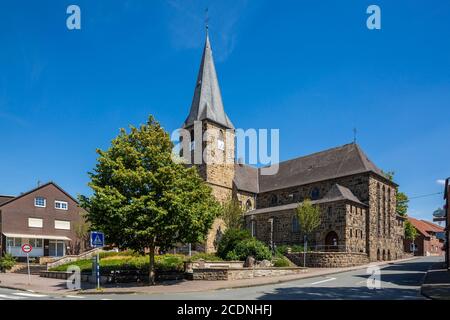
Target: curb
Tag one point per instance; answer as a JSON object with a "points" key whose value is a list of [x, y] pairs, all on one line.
{"points": [[257, 285]]}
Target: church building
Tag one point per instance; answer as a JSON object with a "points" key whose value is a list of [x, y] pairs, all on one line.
{"points": [[357, 199]]}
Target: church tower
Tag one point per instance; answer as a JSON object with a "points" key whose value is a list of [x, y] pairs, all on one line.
{"points": [[208, 123]]}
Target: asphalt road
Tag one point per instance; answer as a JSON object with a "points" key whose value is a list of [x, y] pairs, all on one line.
{"points": [[399, 281]]}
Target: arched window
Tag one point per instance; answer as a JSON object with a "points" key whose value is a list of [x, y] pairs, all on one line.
{"points": [[220, 141], [295, 224], [274, 200], [315, 194], [248, 205]]}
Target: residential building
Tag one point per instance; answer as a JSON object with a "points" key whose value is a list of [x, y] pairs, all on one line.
{"points": [[429, 240], [46, 217]]}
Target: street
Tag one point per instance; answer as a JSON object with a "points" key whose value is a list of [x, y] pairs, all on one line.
{"points": [[400, 281]]}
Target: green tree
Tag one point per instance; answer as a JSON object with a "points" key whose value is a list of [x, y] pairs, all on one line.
{"points": [[402, 199], [143, 199], [232, 214], [230, 239], [309, 220], [410, 231]]}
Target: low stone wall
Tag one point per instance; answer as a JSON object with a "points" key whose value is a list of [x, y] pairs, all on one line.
{"points": [[242, 273], [329, 259], [203, 264], [127, 276]]}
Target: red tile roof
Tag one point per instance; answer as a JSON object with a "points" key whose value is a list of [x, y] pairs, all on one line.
{"points": [[424, 227]]}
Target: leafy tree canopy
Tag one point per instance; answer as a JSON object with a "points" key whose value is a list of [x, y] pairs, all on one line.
{"points": [[142, 198]]}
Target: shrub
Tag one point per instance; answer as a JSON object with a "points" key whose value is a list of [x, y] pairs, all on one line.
{"points": [[230, 239], [281, 261], [250, 247], [205, 256], [7, 262], [167, 262]]}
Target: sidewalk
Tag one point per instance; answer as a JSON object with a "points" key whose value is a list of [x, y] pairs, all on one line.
{"points": [[436, 285], [57, 286]]}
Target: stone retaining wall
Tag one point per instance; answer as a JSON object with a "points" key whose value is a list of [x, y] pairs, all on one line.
{"points": [[329, 259], [242, 273]]}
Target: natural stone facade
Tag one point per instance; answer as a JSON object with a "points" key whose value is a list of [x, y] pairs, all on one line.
{"points": [[329, 259], [356, 199]]}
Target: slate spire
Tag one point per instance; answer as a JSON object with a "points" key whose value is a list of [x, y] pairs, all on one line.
{"points": [[207, 101]]}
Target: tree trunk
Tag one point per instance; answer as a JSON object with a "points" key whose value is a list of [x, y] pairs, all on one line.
{"points": [[152, 265]]}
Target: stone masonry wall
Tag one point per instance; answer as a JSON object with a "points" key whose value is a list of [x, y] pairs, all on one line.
{"points": [[329, 259]]}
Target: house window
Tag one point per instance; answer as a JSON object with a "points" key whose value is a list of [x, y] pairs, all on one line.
{"points": [[36, 243], [35, 223], [61, 205], [62, 225], [40, 202], [14, 242]]}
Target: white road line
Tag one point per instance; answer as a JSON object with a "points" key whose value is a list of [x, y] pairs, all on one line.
{"points": [[75, 297], [322, 281], [5, 296], [105, 299], [30, 295]]}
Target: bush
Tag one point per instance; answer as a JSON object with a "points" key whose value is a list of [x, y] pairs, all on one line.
{"points": [[230, 239], [281, 261], [205, 256], [167, 262], [7, 262], [250, 247]]}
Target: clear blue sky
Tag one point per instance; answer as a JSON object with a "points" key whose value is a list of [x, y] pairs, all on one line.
{"points": [[310, 68]]}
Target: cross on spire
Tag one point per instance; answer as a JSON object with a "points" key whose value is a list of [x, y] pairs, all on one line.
{"points": [[206, 19], [354, 135]]}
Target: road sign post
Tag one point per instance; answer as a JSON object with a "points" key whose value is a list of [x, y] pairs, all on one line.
{"points": [[27, 248], [97, 241]]}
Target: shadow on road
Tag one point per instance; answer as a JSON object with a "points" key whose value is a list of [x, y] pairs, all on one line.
{"points": [[341, 293]]}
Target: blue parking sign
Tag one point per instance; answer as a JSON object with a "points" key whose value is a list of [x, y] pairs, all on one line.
{"points": [[97, 239]]}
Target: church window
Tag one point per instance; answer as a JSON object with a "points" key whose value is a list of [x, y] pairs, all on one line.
{"points": [[296, 196], [295, 224], [248, 205], [253, 228], [273, 199], [351, 233], [315, 194], [220, 141], [330, 211]]}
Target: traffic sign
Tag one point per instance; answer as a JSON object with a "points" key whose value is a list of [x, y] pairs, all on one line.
{"points": [[27, 248], [97, 239]]}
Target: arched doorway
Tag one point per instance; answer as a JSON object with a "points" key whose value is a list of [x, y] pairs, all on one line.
{"points": [[378, 255], [384, 255], [331, 241], [389, 255]]}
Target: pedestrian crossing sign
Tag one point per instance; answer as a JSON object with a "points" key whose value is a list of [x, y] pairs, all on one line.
{"points": [[97, 239]]}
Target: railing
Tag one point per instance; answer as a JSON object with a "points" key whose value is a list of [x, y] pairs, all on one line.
{"points": [[71, 258], [329, 248]]}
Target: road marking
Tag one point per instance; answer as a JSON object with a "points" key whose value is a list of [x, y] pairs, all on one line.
{"points": [[5, 296], [105, 299], [30, 295], [322, 281], [75, 297]]}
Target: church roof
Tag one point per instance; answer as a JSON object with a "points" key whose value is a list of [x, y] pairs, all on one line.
{"points": [[246, 177], [207, 101], [333, 163], [338, 192]]}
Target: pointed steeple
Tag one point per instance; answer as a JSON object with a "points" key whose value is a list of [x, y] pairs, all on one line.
{"points": [[207, 102]]}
